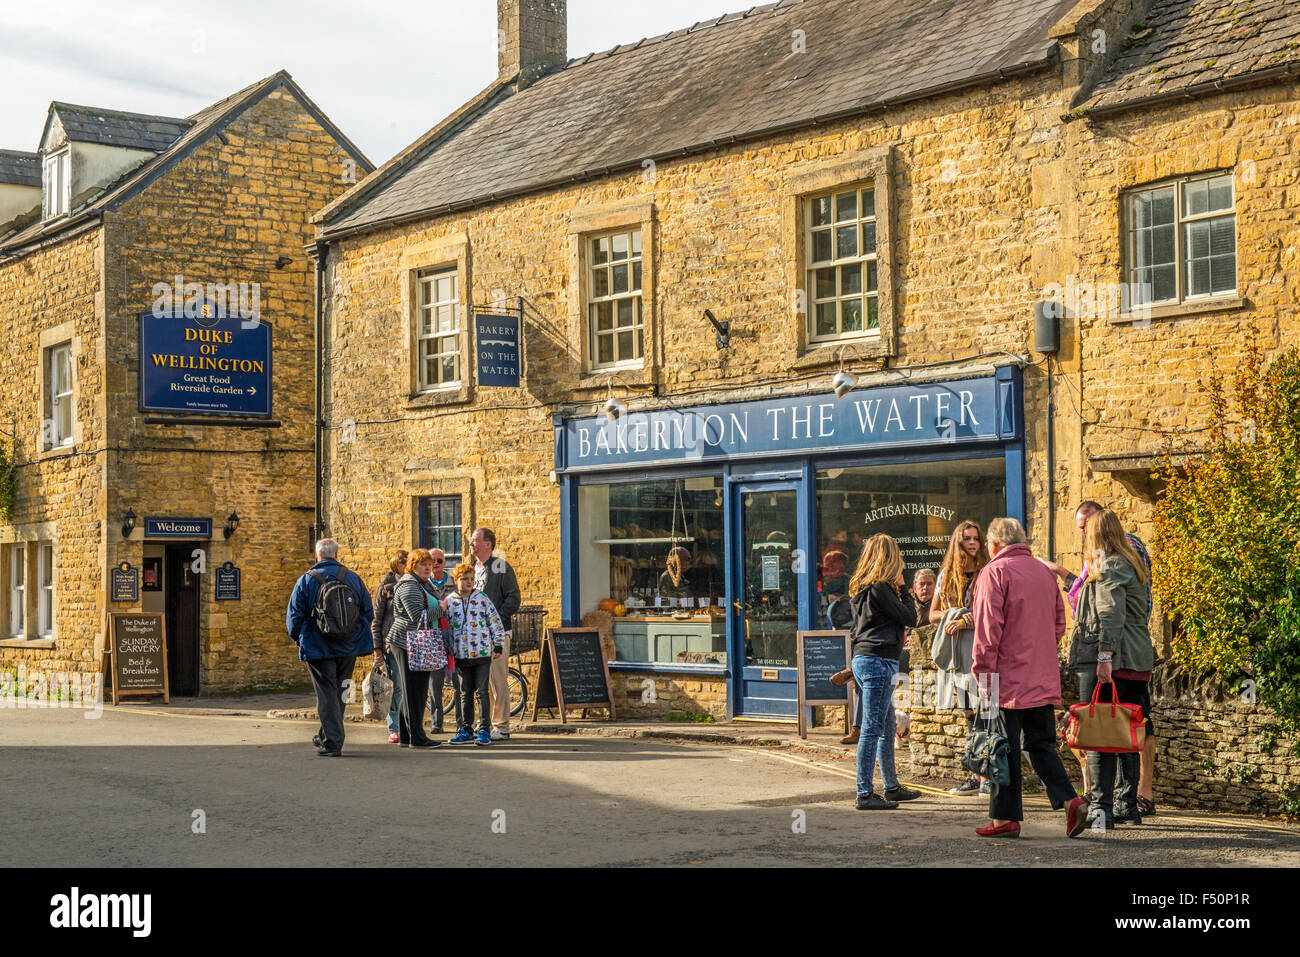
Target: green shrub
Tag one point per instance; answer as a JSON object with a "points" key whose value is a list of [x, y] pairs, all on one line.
{"points": [[1227, 546]]}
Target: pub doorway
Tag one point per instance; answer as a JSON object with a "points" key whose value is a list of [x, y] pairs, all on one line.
{"points": [[181, 586]]}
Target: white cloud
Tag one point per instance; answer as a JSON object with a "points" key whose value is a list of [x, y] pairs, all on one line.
{"points": [[384, 70]]}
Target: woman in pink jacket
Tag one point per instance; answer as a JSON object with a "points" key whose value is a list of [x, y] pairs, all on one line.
{"points": [[1019, 620]]}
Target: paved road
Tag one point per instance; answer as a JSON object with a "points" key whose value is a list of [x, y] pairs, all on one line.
{"points": [[123, 789]]}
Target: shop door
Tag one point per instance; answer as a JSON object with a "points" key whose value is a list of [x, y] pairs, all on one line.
{"points": [[182, 584], [765, 615]]}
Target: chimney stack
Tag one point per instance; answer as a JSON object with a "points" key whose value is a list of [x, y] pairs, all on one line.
{"points": [[532, 38]]}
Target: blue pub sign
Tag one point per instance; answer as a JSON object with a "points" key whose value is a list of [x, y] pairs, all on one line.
{"points": [[200, 528], [496, 340], [209, 364]]}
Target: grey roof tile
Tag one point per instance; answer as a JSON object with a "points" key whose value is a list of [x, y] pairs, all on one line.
{"points": [[1195, 42], [140, 131], [734, 76], [20, 169]]}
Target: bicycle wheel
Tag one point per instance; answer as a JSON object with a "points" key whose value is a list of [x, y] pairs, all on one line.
{"points": [[449, 700], [517, 685]]}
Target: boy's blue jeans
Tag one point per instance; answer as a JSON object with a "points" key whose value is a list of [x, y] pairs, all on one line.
{"points": [[875, 676]]}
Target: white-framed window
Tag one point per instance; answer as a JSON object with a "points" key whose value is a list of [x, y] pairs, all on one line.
{"points": [[59, 399], [843, 275], [1181, 240], [614, 310], [45, 582], [17, 589], [57, 185], [438, 329]]}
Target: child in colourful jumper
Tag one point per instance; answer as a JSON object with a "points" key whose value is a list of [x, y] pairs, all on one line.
{"points": [[478, 638]]}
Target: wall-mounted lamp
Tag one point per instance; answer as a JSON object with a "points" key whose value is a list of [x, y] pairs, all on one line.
{"points": [[232, 525], [614, 409], [723, 329], [282, 261], [128, 523], [844, 383]]}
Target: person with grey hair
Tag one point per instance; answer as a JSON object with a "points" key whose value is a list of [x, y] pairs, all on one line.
{"points": [[1019, 621], [329, 618]]}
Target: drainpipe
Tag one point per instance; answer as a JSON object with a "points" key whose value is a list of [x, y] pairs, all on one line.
{"points": [[1051, 468], [322, 254]]}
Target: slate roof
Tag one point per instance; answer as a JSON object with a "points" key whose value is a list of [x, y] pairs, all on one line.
{"points": [[732, 78], [1187, 46], [200, 127], [138, 131], [19, 168]]}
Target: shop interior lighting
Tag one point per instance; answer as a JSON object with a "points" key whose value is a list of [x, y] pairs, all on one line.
{"points": [[614, 409], [844, 383]]}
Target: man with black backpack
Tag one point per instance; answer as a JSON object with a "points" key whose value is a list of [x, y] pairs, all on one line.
{"points": [[329, 619]]}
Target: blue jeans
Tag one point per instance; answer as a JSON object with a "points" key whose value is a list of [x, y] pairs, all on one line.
{"points": [[875, 676], [395, 708]]}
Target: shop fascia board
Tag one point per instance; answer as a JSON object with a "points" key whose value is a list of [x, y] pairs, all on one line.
{"points": [[866, 380]]}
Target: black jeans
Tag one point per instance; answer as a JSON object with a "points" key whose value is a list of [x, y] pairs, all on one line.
{"points": [[474, 685], [1108, 795], [1038, 726], [328, 675], [415, 692]]}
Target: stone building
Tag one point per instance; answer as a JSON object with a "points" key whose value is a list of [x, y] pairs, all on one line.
{"points": [[158, 386], [702, 236]]}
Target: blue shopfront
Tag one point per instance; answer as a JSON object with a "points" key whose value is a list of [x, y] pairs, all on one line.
{"points": [[721, 531]]}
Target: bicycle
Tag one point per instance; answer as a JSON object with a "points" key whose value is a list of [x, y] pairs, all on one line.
{"points": [[516, 685]]}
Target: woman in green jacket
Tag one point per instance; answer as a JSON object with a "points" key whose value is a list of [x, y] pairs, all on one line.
{"points": [[1113, 643]]}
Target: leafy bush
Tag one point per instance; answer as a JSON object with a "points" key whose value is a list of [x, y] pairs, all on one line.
{"points": [[7, 493], [1227, 558]]}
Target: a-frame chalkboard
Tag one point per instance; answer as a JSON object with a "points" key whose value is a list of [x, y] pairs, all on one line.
{"points": [[818, 655], [574, 673]]}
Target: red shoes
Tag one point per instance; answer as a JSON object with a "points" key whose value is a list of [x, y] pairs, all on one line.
{"points": [[1076, 817], [1010, 829]]}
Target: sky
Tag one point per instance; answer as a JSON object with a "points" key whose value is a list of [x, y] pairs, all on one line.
{"points": [[385, 71]]}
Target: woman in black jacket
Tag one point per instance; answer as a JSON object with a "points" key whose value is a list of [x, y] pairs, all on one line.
{"points": [[882, 611], [379, 628]]}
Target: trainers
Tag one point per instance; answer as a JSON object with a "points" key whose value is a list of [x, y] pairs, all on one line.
{"points": [[901, 793], [874, 802], [394, 737], [970, 786], [500, 735], [462, 736], [483, 739], [986, 789]]}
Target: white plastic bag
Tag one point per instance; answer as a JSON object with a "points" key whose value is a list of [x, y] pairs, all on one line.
{"points": [[378, 691], [903, 724]]}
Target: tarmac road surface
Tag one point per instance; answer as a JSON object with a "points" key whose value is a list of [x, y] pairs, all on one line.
{"points": [[147, 787]]}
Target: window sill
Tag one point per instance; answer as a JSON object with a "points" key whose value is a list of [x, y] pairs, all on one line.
{"points": [[669, 667], [440, 397], [827, 353], [637, 376], [39, 643], [56, 452], [1178, 310]]}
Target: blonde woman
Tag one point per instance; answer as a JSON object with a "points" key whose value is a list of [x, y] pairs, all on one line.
{"points": [[951, 610], [1112, 642], [882, 612]]}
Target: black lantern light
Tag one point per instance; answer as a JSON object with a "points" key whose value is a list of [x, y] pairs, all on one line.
{"points": [[128, 523], [232, 525]]}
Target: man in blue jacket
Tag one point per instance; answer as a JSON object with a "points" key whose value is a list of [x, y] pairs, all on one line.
{"points": [[329, 661]]}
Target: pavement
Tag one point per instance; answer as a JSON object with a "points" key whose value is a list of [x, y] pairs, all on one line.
{"points": [[212, 782]]}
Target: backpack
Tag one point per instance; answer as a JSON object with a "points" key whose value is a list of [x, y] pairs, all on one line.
{"points": [[337, 613]]}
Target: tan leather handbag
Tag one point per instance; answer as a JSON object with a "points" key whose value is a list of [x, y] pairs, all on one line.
{"points": [[1110, 726]]}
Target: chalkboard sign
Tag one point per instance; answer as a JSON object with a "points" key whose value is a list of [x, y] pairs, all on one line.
{"points": [[820, 654], [124, 583], [139, 655], [574, 673]]}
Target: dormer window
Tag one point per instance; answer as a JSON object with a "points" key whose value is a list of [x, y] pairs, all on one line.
{"points": [[57, 187]]}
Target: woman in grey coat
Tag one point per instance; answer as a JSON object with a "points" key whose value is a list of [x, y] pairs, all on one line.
{"points": [[412, 598]]}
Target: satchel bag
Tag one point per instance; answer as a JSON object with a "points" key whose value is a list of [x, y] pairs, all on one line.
{"points": [[988, 751], [1110, 726], [425, 650]]}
